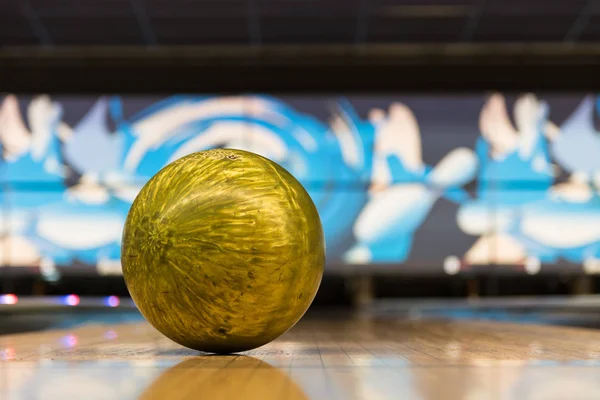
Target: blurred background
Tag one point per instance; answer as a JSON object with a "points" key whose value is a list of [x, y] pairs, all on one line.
{"points": [[450, 145]]}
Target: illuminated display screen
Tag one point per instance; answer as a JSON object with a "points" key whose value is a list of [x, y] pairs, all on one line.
{"points": [[408, 182]]}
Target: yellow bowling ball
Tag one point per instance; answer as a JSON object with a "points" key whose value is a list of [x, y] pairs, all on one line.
{"points": [[223, 251]]}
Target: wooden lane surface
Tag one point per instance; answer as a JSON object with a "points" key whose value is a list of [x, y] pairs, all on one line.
{"points": [[356, 358]]}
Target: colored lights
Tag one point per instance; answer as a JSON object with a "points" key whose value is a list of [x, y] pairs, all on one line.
{"points": [[67, 300], [70, 340], [8, 299], [112, 301], [71, 300]]}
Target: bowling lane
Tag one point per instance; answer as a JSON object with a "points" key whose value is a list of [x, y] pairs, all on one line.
{"points": [[323, 357]]}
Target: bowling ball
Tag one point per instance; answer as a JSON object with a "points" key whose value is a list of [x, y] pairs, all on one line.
{"points": [[223, 251]]}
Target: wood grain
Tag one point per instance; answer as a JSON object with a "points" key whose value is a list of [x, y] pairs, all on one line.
{"points": [[321, 358]]}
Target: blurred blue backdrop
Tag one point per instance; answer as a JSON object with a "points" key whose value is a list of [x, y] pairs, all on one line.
{"points": [[442, 183]]}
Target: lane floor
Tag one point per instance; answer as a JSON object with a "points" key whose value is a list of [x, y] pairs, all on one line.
{"points": [[344, 357]]}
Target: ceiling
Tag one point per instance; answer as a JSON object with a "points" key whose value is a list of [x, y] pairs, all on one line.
{"points": [[57, 23]]}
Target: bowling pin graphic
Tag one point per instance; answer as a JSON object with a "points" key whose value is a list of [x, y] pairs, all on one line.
{"points": [[42, 219], [31, 156], [350, 161], [508, 155], [399, 136], [565, 224], [404, 190], [45, 120], [496, 128], [14, 135]]}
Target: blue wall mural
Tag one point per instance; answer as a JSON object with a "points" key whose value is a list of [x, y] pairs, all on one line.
{"points": [[409, 182]]}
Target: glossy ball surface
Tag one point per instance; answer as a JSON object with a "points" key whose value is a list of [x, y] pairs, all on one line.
{"points": [[223, 251]]}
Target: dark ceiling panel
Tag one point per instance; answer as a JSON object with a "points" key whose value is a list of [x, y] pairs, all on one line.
{"points": [[15, 31], [305, 30], [9, 9], [523, 28], [185, 4], [196, 9], [422, 3], [86, 8], [534, 8], [308, 8], [591, 32], [189, 31], [413, 9], [93, 31], [14, 27], [198, 22], [388, 30], [308, 22]]}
